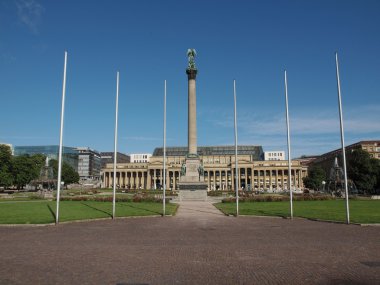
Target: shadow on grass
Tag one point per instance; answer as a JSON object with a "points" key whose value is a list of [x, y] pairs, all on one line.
{"points": [[96, 209], [140, 208], [52, 212]]}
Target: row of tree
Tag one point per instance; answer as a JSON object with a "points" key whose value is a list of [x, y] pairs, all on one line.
{"points": [[19, 171], [362, 169]]}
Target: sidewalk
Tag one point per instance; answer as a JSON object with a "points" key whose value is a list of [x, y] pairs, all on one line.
{"points": [[198, 210]]}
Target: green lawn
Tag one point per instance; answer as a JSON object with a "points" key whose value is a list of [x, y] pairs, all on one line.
{"points": [[333, 210], [43, 212]]}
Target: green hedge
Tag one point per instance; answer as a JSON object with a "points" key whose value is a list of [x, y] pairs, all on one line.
{"points": [[277, 198], [135, 198]]}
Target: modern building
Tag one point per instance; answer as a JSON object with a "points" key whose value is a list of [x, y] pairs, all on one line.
{"points": [[140, 157], [108, 157], [69, 154], [219, 170], [89, 163], [274, 155]]}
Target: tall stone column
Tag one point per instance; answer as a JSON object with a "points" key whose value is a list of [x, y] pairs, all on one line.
{"points": [[192, 111], [191, 184]]}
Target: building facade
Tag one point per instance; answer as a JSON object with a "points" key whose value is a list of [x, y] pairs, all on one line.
{"points": [[69, 154], [140, 157], [89, 163], [326, 160], [219, 170]]}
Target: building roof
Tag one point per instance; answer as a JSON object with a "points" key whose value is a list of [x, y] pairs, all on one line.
{"points": [[255, 151], [338, 151]]}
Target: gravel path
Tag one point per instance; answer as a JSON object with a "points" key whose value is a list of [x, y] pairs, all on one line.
{"points": [[197, 246]]}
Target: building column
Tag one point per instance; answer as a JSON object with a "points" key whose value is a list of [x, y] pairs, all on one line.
{"points": [[154, 179], [240, 177], [161, 177], [276, 179], [298, 178], [223, 182], [258, 179], [149, 180], [265, 179], [214, 182], [220, 179], [143, 180], [232, 179], [246, 178], [167, 179], [270, 180]]}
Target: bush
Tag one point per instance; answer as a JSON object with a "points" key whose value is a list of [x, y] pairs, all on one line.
{"points": [[136, 198], [148, 198], [35, 197], [218, 193]]}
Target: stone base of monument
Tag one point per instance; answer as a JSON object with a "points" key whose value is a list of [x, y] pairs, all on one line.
{"points": [[193, 191], [191, 185]]}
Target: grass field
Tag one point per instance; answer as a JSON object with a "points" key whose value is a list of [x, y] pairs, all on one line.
{"points": [[43, 212], [333, 210]]}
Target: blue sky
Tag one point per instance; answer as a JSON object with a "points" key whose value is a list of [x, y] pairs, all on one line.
{"points": [[250, 41]]}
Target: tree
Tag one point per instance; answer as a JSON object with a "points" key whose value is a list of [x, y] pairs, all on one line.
{"points": [[363, 170], [315, 178], [377, 191], [25, 168], [6, 178], [69, 175]]}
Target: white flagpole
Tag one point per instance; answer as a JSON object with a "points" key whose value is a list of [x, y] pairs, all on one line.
{"points": [[164, 174], [236, 158], [115, 147], [61, 139], [342, 138], [289, 156]]}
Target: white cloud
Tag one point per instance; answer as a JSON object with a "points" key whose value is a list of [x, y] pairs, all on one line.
{"points": [[312, 132], [29, 13], [359, 120]]}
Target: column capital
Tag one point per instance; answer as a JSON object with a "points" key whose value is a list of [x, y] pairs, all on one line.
{"points": [[191, 73]]}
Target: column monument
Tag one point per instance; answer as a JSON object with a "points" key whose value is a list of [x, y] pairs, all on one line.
{"points": [[191, 184]]}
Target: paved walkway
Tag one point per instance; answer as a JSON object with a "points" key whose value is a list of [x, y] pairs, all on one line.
{"points": [[197, 246], [195, 210]]}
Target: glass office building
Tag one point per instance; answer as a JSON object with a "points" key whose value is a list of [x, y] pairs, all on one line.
{"points": [[69, 154]]}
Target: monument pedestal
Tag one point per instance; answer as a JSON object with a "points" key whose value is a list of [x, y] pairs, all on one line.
{"points": [[191, 185]]}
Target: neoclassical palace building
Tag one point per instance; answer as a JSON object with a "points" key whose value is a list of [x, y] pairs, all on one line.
{"points": [[219, 170]]}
